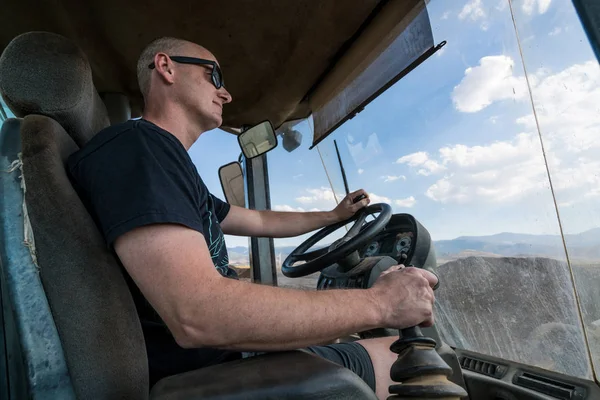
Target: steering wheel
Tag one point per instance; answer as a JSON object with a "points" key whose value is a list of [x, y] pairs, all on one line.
{"points": [[353, 240]]}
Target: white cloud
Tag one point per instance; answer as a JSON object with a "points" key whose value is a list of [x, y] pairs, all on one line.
{"points": [[323, 195], [490, 155], [501, 5], [421, 159], [530, 6], [472, 10], [565, 101], [296, 177], [318, 199], [492, 80], [392, 178], [582, 172], [493, 119], [407, 202], [555, 31], [567, 108], [288, 208], [441, 51], [360, 171], [497, 172], [379, 199], [445, 15]]}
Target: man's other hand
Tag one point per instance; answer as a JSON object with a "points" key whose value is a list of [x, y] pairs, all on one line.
{"points": [[347, 208]]}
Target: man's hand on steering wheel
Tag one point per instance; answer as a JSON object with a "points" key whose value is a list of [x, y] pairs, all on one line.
{"points": [[347, 207]]}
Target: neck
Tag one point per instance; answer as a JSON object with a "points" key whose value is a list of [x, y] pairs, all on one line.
{"points": [[173, 119]]}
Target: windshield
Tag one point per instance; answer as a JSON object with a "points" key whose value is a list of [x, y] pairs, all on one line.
{"points": [[457, 144]]}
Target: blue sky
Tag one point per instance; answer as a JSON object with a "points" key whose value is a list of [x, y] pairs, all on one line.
{"points": [[454, 143]]}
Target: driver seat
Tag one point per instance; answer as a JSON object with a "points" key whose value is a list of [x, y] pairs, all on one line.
{"points": [[69, 320]]}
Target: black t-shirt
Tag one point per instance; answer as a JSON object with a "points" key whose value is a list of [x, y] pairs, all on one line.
{"points": [[136, 174]]}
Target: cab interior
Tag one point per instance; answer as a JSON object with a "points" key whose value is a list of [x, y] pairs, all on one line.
{"points": [[67, 70]]}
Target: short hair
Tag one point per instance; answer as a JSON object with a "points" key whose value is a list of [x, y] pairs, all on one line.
{"points": [[167, 45]]}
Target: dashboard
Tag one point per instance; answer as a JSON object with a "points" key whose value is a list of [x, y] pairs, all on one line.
{"points": [[394, 245], [397, 240]]}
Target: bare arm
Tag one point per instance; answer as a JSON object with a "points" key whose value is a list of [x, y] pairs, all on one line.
{"points": [[277, 224], [172, 267]]}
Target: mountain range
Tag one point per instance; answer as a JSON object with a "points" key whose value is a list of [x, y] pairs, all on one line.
{"points": [[584, 246]]}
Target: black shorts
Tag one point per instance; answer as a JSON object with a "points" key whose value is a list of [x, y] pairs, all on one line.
{"points": [[350, 355]]}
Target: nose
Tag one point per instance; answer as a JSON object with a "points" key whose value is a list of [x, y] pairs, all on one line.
{"points": [[224, 94]]}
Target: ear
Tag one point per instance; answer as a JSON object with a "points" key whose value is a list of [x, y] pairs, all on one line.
{"points": [[165, 68]]}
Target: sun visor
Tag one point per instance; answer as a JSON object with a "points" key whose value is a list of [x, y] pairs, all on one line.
{"points": [[397, 40]]}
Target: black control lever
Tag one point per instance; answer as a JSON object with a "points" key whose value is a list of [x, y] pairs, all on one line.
{"points": [[419, 370]]}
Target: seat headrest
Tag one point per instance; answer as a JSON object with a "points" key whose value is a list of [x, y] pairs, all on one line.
{"points": [[45, 73]]}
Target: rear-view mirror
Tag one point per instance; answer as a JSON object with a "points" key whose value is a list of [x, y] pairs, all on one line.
{"points": [[232, 182], [258, 140]]}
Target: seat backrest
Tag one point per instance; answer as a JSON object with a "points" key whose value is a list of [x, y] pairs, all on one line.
{"points": [[46, 80], [46, 74]]}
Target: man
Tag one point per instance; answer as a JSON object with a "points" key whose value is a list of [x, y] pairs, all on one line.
{"points": [[146, 196]]}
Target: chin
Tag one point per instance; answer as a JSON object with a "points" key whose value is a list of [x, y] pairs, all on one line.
{"points": [[218, 121], [210, 122]]}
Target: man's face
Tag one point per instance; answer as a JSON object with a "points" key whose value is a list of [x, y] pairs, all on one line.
{"points": [[196, 91]]}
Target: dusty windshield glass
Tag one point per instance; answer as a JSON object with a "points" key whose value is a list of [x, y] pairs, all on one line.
{"points": [[453, 144], [566, 92]]}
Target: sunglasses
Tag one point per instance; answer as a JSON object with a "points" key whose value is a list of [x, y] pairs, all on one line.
{"points": [[216, 74]]}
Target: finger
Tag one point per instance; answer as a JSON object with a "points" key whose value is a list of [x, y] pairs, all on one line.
{"points": [[431, 278], [427, 323], [357, 193], [431, 296], [411, 270], [392, 269], [361, 204], [353, 195]]}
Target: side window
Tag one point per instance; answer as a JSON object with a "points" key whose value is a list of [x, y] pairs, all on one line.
{"points": [[456, 144], [4, 111], [212, 150]]}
